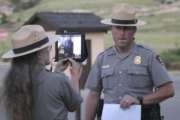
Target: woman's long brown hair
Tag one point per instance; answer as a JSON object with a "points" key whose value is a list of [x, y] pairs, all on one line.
{"points": [[18, 87]]}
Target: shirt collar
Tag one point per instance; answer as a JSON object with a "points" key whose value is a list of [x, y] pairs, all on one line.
{"points": [[133, 49]]}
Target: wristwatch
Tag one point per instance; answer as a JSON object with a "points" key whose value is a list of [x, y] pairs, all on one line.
{"points": [[140, 98]]}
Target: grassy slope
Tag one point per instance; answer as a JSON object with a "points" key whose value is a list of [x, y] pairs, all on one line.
{"points": [[101, 7], [161, 32], [162, 23], [159, 42]]}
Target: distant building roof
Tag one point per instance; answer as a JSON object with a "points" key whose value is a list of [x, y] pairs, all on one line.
{"points": [[70, 21]]}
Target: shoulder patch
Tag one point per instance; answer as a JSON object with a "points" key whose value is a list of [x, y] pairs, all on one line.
{"points": [[159, 59]]}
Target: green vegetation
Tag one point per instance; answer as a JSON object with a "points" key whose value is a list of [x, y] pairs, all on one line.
{"points": [[171, 58], [162, 23], [157, 41], [160, 32], [100, 7], [171, 55]]}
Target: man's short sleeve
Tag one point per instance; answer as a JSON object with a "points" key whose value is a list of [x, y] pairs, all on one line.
{"points": [[158, 71], [94, 79]]}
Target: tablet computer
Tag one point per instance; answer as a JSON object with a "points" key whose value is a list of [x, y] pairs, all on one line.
{"points": [[71, 45]]}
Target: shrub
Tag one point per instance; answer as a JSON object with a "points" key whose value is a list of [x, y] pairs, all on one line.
{"points": [[171, 57]]}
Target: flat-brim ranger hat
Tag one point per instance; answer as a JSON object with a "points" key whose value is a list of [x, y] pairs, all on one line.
{"points": [[123, 17], [29, 39]]}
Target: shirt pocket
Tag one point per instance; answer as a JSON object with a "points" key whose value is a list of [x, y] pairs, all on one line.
{"points": [[108, 78], [138, 77]]}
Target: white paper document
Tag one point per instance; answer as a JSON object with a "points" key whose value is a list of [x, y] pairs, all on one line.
{"points": [[115, 112]]}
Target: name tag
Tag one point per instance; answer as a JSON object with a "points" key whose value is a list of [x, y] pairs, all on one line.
{"points": [[105, 66]]}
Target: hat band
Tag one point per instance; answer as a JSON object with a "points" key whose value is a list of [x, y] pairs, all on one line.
{"points": [[32, 46], [116, 21]]}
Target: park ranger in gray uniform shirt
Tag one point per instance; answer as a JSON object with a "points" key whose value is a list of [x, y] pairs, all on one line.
{"points": [[128, 73]]}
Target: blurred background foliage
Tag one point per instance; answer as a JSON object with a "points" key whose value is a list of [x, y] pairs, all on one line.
{"points": [[160, 33]]}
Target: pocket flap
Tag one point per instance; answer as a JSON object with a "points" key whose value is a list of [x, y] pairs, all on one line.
{"points": [[138, 70], [107, 72]]}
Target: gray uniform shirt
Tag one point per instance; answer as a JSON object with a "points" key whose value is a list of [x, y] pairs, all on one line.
{"points": [[53, 97], [136, 73]]}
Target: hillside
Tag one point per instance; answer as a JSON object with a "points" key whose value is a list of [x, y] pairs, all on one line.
{"points": [[160, 32], [162, 18]]}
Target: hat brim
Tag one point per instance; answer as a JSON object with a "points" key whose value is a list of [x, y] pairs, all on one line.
{"points": [[108, 22], [10, 54]]}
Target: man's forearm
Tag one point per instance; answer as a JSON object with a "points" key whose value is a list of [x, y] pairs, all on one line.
{"points": [[91, 105], [161, 94]]}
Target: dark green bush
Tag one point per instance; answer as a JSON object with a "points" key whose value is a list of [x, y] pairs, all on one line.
{"points": [[171, 58]]}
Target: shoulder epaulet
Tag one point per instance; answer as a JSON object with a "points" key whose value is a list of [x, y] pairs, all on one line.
{"points": [[146, 48], [107, 50]]}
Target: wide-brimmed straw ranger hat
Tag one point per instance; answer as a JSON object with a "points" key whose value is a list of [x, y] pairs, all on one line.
{"points": [[123, 17], [29, 39]]}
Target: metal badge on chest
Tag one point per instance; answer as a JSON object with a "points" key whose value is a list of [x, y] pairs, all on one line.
{"points": [[137, 60]]}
